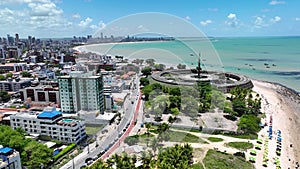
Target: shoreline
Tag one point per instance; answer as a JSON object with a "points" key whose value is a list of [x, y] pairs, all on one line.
{"points": [[283, 104]]}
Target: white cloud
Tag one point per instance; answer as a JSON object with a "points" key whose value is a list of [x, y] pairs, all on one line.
{"points": [[297, 19], [42, 18], [275, 2], [101, 25], [44, 9], [231, 16], [188, 18], [85, 22], [276, 19], [232, 20], [260, 22], [76, 16], [206, 22]]}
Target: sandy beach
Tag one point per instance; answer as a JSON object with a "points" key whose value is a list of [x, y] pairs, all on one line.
{"points": [[284, 107]]}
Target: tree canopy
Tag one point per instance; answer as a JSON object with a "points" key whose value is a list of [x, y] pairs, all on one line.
{"points": [[4, 96], [146, 71], [33, 154], [26, 74]]}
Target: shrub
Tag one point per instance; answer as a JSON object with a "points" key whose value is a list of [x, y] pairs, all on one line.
{"points": [[240, 154], [64, 151]]}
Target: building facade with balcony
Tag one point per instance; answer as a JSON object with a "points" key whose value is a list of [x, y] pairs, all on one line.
{"points": [[50, 123], [81, 91]]}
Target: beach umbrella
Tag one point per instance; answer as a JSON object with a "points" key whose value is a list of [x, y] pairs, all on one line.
{"points": [[278, 132], [259, 141], [265, 164], [253, 152], [252, 159], [257, 147], [279, 139], [278, 152]]}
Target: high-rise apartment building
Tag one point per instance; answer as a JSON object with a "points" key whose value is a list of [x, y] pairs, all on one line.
{"points": [[81, 91]]}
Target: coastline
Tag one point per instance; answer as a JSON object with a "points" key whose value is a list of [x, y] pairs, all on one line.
{"points": [[283, 105]]}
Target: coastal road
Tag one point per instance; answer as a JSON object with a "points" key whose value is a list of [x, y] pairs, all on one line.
{"points": [[115, 135]]}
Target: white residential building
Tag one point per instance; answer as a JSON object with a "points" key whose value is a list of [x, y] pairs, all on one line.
{"points": [[50, 123], [81, 91], [9, 158]]}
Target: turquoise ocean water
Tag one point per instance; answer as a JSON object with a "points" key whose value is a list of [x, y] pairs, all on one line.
{"points": [[274, 59]]}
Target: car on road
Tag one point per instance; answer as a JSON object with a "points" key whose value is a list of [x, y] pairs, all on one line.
{"points": [[88, 159], [89, 162], [95, 158]]}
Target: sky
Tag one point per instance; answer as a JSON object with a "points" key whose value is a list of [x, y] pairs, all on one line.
{"points": [[219, 18]]}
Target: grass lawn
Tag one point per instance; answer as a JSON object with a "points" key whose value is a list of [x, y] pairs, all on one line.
{"points": [[177, 136], [93, 130], [214, 139], [240, 145], [197, 166], [219, 160], [244, 136]]}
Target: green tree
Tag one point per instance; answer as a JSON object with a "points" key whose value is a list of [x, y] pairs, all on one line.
{"points": [[9, 75], [249, 124], [32, 153], [26, 74], [4, 96], [144, 81], [150, 62], [146, 71], [239, 106], [148, 126], [132, 140], [2, 78], [159, 67], [180, 66]]}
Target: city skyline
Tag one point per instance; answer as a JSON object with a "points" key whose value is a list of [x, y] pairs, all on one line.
{"points": [[61, 18]]}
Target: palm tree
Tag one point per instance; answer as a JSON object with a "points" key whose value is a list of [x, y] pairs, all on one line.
{"points": [[154, 145], [146, 160], [148, 126]]}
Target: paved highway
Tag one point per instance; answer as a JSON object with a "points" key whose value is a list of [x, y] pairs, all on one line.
{"points": [[114, 136]]}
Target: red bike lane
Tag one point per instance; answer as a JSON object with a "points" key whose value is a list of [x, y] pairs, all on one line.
{"points": [[116, 145]]}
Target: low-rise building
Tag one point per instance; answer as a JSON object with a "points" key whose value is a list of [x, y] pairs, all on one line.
{"points": [[51, 123], [15, 84], [41, 93], [9, 158], [17, 67]]}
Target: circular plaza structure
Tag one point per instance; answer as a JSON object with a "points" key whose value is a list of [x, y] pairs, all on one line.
{"points": [[224, 81]]}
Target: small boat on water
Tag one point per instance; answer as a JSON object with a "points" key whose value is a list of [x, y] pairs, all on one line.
{"points": [[267, 66], [273, 65], [250, 65], [191, 54]]}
